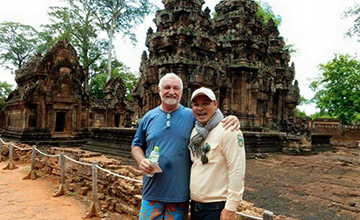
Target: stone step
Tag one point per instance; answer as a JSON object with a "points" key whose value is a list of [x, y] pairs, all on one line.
{"points": [[112, 151]]}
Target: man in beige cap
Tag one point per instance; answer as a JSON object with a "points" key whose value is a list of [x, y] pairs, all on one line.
{"points": [[218, 155]]}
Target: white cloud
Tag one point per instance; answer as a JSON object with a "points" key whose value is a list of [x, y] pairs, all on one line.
{"points": [[315, 27]]}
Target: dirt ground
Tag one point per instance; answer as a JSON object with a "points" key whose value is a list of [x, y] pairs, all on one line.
{"points": [[316, 187], [32, 199]]}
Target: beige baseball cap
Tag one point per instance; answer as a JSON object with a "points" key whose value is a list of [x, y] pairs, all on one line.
{"points": [[204, 91]]}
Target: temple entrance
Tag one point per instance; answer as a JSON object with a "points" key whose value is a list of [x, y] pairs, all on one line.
{"points": [[117, 120], [60, 121]]}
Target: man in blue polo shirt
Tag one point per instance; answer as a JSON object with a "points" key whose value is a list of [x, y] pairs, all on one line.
{"points": [[166, 194]]}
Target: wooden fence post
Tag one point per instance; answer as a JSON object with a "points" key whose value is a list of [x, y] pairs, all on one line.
{"points": [[32, 174], [11, 165], [267, 215], [1, 148], [94, 209], [62, 188]]}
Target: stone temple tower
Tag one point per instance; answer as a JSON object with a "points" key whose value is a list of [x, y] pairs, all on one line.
{"points": [[259, 88], [184, 44], [237, 55]]}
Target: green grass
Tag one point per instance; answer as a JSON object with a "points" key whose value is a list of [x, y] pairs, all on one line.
{"points": [[26, 169]]}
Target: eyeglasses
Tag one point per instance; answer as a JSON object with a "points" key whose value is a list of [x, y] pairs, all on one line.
{"points": [[168, 116], [204, 159]]}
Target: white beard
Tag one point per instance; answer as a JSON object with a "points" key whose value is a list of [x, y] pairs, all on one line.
{"points": [[170, 101]]}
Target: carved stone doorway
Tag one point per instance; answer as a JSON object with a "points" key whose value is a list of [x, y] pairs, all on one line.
{"points": [[117, 120], [60, 121]]}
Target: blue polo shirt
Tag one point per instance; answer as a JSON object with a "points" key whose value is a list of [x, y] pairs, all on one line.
{"points": [[172, 135]]}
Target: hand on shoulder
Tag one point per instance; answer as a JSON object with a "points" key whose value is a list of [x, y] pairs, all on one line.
{"points": [[231, 122]]}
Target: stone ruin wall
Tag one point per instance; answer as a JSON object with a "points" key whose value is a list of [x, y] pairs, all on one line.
{"points": [[342, 135], [236, 55], [2, 120]]}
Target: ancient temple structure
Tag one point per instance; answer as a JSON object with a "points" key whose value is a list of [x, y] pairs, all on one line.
{"points": [[51, 105], [50, 100], [114, 110], [242, 59]]}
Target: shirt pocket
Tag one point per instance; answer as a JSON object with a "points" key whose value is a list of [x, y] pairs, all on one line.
{"points": [[214, 155]]}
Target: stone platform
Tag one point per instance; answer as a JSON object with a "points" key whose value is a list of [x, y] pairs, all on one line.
{"points": [[117, 141], [112, 141], [44, 137], [321, 142]]}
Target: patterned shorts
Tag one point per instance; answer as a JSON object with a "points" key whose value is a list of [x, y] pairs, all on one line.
{"points": [[154, 210]]}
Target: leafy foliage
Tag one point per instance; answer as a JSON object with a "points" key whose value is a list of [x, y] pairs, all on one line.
{"points": [[213, 15], [303, 101], [97, 85], [300, 113], [17, 43], [5, 90], [265, 11], [338, 89], [290, 48], [118, 70], [321, 114], [116, 16], [354, 12]]}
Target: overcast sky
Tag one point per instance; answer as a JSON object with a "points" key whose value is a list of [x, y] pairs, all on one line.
{"points": [[315, 27]]}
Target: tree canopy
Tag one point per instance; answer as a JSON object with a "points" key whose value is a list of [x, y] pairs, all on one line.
{"points": [[76, 23], [18, 42], [5, 90], [338, 88], [118, 70], [115, 16], [355, 13], [265, 11]]}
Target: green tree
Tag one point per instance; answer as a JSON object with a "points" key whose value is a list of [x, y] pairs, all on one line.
{"points": [[338, 89], [17, 43], [116, 16], [303, 101], [355, 13], [118, 69], [265, 11], [5, 90], [76, 23], [321, 114], [300, 113], [97, 85]]}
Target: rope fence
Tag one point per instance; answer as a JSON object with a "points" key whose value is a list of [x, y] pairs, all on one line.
{"points": [[1, 148], [118, 175], [44, 154], [2, 141], [94, 209], [19, 148], [78, 162]]}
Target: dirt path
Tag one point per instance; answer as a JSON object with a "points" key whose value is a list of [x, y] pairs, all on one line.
{"points": [[317, 187], [32, 199]]}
